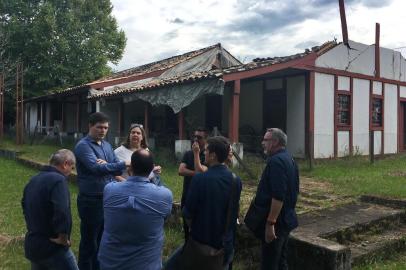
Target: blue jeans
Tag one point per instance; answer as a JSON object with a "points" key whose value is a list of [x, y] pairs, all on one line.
{"points": [[61, 260], [172, 262], [275, 254], [90, 210]]}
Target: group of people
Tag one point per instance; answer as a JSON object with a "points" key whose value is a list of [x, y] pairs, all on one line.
{"points": [[123, 204]]}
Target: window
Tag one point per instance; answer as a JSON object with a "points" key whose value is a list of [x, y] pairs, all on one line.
{"points": [[343, 109], [377, 112]]}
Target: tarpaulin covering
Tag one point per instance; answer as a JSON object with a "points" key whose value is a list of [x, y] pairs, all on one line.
{"points": [[178, 96]]}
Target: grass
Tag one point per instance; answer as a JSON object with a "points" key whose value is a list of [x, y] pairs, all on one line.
{"points": [[347, 177], [12, 226], [356, 176]]}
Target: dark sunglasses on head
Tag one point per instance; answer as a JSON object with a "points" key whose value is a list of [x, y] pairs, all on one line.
{"points": [[136, 125]]}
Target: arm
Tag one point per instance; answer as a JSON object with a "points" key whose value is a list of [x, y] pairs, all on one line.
{"points": [[278, 180], [85, 154], [276, 207], [196, 158], [61, 219], [183, 171], [119, 178]]}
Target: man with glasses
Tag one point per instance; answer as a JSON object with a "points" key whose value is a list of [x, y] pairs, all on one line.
{"points": [[96, 166], [192, 163], [46, 208], [277, 190]]}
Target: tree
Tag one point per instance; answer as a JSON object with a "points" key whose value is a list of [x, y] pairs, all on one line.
{"points": [[62, 43]]}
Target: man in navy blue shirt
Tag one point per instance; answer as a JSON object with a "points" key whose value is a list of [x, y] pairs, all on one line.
{"points": [[278, 189], [46, 208], [96, 166], [207, 203], [134, 214]]}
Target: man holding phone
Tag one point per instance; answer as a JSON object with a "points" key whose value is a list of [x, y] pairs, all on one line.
{"points": [[192, 163]]}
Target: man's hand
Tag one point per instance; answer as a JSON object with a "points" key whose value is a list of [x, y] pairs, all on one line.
{"points": [[157, 169], [195, 148], [61, 240], [100, 161], [269, 233]]}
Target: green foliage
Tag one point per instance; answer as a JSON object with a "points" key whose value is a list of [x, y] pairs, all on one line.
{"points": [[61, 43]]}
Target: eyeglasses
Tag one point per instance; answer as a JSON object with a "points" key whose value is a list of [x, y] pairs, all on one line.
{"points": [[136, 125], [198, 137]]}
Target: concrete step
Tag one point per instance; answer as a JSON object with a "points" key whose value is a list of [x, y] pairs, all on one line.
{"points": [[383, 244]]}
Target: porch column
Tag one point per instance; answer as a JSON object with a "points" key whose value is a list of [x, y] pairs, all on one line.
{"points": [[97, 105], [234, 112], [310, 100], [181, 120], [146, 118]]}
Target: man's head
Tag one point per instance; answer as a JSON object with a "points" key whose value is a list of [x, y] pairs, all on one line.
{"points": [[200, 136], [217, 150], [142, 163], [274, 139], [64, 160], [98, 125]]}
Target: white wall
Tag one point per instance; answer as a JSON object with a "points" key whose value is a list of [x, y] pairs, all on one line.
{"points": [[343, 83], [360, 116], [361, 59], [402, 92], [296, 117], [377, 142], [324, 116], [32, 115], [377, 88], [391, 119], [343, 143]]}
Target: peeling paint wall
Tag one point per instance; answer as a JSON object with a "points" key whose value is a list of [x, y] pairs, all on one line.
{"points": [[343, 143], [360, 58], [324, 116], [296, 120], [391, 119], [360, 116]]}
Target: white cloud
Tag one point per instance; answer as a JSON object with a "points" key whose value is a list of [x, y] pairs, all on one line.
{"points": [[157, 29]]}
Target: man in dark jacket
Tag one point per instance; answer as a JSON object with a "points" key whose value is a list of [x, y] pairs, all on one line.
{"points": [[278, 189], [46, 208]]}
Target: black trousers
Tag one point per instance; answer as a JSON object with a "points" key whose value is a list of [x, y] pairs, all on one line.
{"points": [[91, 229], [274, 254]]}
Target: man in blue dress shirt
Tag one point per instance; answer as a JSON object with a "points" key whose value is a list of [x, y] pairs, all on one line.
{"points": [[96, 166], [134, 215], [46, 208]]}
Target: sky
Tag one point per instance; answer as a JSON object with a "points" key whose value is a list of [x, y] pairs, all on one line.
{"points": [[158, 29]]}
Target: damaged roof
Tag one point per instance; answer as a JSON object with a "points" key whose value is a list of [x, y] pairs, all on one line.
{"points": [[184, 76], [194, 76]]}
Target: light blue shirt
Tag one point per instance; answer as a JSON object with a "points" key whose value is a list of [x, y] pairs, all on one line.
{"points": [[134, 214]]}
